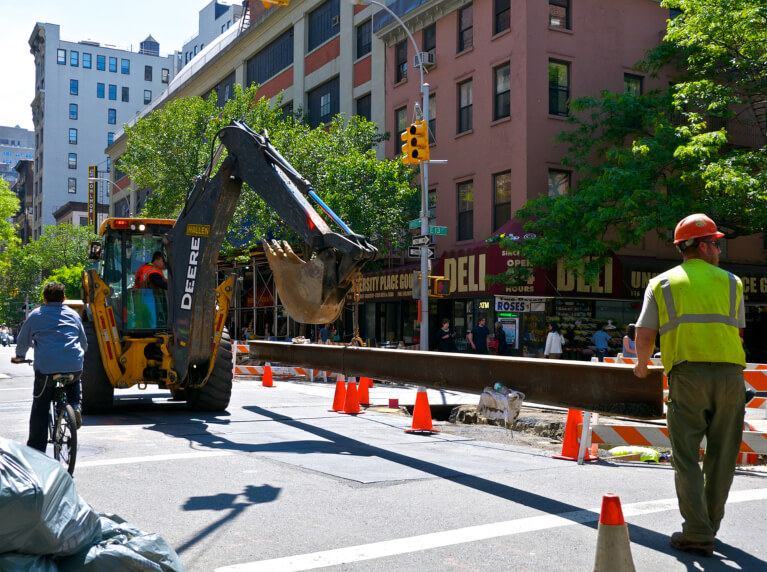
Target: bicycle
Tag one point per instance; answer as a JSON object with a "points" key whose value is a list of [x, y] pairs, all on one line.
{"points": [[62, 423]]}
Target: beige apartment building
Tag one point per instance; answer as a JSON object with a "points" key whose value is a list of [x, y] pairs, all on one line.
{"points": [[500, 73]]}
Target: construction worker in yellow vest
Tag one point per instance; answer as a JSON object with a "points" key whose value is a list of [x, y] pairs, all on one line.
{"points": [[698, 310]]}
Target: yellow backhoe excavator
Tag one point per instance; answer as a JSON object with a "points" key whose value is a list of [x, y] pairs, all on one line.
{"points": [[175, 336]]}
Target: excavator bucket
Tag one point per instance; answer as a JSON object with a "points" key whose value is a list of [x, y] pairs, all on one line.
{"points": [[310, 290]]}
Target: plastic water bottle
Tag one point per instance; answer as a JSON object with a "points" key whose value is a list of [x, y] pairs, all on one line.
{"points": [[594, 359]]}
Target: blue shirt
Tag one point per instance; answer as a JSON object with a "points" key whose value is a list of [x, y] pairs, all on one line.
{"points": [[57, 334], [600, 339]]}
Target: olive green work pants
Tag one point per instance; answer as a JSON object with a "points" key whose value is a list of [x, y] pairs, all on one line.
{"points": [[705, 400]]}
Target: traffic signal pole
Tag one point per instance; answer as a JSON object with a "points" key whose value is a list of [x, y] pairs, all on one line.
{"points": [[424, 338]]}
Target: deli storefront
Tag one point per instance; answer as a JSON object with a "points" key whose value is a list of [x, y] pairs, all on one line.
{"points": [[389, 313]]}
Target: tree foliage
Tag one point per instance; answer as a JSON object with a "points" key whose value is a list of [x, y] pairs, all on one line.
{"points": [[169, 148], [645, 161]]}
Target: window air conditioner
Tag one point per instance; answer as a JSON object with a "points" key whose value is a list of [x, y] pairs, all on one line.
{"points": [[429, 59]]}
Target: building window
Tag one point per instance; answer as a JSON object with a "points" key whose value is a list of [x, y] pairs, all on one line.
{"points": [[73, 160], [112, 116], [466, 210], [101, 62], [287, 111], [100, 90], [559, 87], [364, 38], [113, 64], [559, 14], [112, 92], [73, 111], [400, 61], [86, 60], [502, 99], [432, 198], [147, 97], [224, 90], [61, 57], [271, 60], [465, 28], [501, 16], [632, 84], [110, 138], [559, 183], [323, 103], [165, 75], [323, 23], [125, 94], [400, 124], [429, 38], [73, 87], [72, 136], [465, 106], [124, 66], [432, 119], [83, 221], [147, 73], [72, 185], [363, 106], [74, 58], [501, 199]]}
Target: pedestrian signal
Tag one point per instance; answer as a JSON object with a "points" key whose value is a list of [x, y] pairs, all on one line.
{"points": [[439, 286]]}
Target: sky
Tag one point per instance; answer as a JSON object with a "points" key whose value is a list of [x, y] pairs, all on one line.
{"points": [[120, 23]]}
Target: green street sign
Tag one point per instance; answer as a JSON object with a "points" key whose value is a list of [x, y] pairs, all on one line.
{"points": [[439, 230], [414, 223]]}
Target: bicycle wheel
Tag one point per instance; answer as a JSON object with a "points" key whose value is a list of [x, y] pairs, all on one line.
{"points": [[65, 439]]}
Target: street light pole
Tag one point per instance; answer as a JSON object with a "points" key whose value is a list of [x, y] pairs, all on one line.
{"points": [[424, 298], [130, 213]]}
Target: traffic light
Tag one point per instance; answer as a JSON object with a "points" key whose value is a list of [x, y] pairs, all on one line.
{"points": [[269, 3], [407, 148], [439, 286], [419, 141]]}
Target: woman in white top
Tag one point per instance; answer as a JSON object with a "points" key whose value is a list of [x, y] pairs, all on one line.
{"points": [[554, 342]]}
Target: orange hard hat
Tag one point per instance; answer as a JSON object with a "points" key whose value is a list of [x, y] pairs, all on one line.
{"points": [[695, 226]]}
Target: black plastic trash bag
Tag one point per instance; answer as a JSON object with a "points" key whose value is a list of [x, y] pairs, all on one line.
{"points": [[123, 547], [40, 510]]}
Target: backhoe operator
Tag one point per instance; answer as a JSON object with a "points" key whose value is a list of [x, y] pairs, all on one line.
{"points": [[150, 298], [150, 275]]}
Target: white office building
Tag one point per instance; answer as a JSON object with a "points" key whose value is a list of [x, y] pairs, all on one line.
{"points": [[214, 19], [84, 92]]}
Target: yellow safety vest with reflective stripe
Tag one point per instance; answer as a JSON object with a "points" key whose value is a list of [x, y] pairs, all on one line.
{"points": [[698, 308]]}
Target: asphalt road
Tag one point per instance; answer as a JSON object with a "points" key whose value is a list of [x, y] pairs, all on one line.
{"points": [[280, 483]]}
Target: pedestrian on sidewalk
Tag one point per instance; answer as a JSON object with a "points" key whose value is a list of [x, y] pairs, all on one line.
{"points": [[601, 339], [698, 310], [554, 342]]}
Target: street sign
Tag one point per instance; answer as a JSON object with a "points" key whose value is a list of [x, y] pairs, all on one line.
{"points": [[414, 223], [423, 240], [415, 252], [440, 230]]}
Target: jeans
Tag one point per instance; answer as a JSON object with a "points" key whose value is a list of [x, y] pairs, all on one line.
{"points": [[705, 399], [601, 354], [41, 404]]}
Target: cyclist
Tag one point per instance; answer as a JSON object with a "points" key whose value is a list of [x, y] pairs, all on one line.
{"points": [[57, 334]]}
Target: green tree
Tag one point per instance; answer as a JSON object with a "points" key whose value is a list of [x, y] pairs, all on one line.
{"points": [[646, 161], [70, 277], [9, 206], [169, 148]]}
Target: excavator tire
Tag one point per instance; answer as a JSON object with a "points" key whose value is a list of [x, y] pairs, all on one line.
{"points": [[98, 393], [215, 394]]}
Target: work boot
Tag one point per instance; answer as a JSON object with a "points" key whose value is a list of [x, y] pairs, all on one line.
{"points": [[679, 542], [78, 417]]}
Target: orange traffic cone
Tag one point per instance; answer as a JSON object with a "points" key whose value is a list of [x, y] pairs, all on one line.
{"points": [[422, 414], [352, 402], [570, 445], [367, 381], [340, 396], [363, 392], [267, 381], [613, 544]]}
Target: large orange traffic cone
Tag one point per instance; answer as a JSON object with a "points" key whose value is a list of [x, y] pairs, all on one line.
{"points": [[267, 381], [367, 381], [340, 396], [421, 414], [363, 392], [352, 402], [613, 544], [570, 445]]}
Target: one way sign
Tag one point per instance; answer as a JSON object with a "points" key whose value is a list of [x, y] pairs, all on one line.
{"points": [[415, 252]]}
